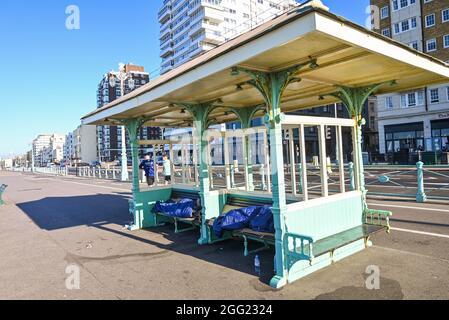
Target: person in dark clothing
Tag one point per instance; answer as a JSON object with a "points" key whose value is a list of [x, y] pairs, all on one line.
{"points": [[148, 166]]}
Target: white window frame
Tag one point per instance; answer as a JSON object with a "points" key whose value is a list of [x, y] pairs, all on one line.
{"points": [[442, 15], [429, 42], [385, 12], [434, 101], [446, 41], [434, 20], [389, 103]]}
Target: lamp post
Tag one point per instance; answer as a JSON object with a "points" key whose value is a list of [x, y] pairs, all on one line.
{"points": [[122, 76]]}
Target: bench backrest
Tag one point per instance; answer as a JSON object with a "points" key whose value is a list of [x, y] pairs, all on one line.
{"points": [[178, 194], [244, 202]]}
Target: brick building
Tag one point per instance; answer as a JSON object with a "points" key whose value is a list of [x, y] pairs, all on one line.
{"points": [[419, 119]]}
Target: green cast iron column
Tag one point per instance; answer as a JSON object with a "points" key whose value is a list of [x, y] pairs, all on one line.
{"points": [[277, 170], [200, 114], [354, 99], [272, 86], [133, 127]]}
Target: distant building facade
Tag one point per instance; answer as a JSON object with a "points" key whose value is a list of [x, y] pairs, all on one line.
{"points": [[48, 149], [109, 138], [80, 146], [415, 120]]}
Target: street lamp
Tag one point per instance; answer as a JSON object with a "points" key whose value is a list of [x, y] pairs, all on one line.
{"points": [[122, 76]]}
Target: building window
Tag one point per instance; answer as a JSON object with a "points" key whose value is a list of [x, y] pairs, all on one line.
{"points": [[434, 96], [446, 41], [384, 13], [386, 32], [412, 99], [414, 45], [405, 25], [400, 4], [430, 20], [389, 102], [431, 45], [445, 15]]}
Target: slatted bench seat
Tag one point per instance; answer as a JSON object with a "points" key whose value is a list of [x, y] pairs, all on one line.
{"points": [[267, 239], [298, 247], [194, 222], [235, 202], [2, 190]]}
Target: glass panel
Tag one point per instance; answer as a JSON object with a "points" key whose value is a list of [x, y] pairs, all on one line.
{"points": [[397, 146], [405, 135], [390, 146]]}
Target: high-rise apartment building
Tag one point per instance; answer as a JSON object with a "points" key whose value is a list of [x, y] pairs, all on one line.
{"points": [[109, 137], [190, 27], [419, 119]]}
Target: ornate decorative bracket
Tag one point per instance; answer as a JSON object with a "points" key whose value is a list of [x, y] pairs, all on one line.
{"points": [[271, 85], [355, 97], [246, 115]]}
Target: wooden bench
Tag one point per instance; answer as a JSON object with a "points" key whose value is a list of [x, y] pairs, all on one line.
{"points": [[300, 247], [194, 222], [2, 190]]}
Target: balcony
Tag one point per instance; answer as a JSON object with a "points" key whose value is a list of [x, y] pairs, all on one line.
{"points": [[165, 31], [166, 50], [166, 68], [165, 13]]}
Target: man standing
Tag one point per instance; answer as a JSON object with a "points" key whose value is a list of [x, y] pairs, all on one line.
{"points": [[166, 166], [148, 166]]}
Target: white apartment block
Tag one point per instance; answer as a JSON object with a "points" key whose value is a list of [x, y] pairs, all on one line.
{"points": [[48, 149], [417, 120], [39, 144], [80, 146], [190, 27]]}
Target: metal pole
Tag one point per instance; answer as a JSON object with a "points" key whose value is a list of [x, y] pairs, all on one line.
{"points": [[421, 196], [124, 174]]}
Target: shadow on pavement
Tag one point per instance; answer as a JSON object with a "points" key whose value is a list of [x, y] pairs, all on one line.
{"points": [[101, 211], [55, 213]]}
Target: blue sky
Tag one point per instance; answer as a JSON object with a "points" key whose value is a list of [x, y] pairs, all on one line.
{"points": [[49, 74]]}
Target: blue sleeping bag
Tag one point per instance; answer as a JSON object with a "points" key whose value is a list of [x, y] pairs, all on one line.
{"points": [[257, 218], [184, 208]]}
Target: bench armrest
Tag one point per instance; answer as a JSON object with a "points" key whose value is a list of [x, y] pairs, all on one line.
{"points": [[378, 218], [298, 247]]}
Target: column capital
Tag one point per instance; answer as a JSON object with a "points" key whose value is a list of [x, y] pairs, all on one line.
{"points": [[246, 115], [354, 98]]}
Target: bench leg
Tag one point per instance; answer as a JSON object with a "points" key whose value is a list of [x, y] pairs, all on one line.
{"points": [[368, 242], [248, 253], [179, 230], [156, 224]]}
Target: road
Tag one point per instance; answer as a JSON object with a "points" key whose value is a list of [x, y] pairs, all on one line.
{"points": [[49, 223]]}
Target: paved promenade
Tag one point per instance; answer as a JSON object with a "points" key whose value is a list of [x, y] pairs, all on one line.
{"points": [[49, 223]]}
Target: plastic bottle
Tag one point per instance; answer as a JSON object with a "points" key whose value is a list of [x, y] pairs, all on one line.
{"points": [[257, 265]]}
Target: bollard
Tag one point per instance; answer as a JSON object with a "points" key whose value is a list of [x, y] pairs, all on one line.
{"points": [[421, 196], [351, 176], [113, 174]]}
